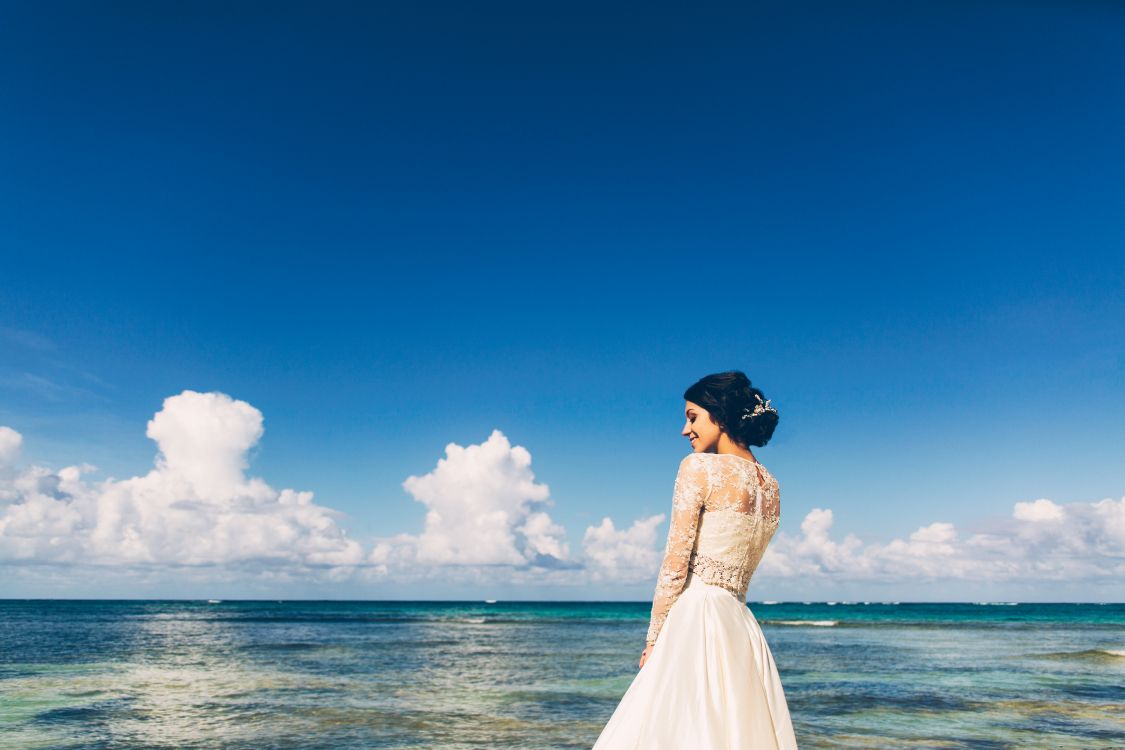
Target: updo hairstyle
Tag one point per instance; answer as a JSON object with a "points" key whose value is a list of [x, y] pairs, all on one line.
{"points": [[727, 396]]}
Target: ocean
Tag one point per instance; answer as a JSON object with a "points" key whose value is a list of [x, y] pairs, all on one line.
{"points": [[537, 675]]}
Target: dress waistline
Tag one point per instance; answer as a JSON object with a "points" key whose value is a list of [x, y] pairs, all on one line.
{"points": [[697, 583]]}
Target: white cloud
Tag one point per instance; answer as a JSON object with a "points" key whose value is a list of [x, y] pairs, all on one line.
{"points": [[195, 508], [485, 511], [483, 508], [1041, 540], [203, 439], [10, 441], [628, 556], [1038, 510]]}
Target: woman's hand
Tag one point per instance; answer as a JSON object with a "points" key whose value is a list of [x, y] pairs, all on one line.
{"points": [[644, 655]]}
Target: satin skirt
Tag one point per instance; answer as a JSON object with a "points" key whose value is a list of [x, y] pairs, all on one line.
{"points": [[710, 683]]}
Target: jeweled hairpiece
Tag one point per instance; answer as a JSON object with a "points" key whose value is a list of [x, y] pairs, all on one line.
{"points": [[759, 408]]}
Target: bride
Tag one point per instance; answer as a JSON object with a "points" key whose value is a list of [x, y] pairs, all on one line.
{"points": [[708, 679]]}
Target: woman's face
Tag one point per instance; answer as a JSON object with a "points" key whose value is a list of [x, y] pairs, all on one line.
{"points": [[698, 427]]}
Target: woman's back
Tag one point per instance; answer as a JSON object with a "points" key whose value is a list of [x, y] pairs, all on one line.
{"points": [[725, 510], [740, 514]]}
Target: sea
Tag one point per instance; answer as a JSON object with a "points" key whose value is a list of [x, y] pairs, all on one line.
{"points": [[538, 675]]}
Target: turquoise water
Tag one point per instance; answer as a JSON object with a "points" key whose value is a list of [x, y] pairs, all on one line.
{"points": [[252, 674]]}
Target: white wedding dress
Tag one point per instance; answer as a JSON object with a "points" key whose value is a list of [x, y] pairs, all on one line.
{"points": [[710, 682]]}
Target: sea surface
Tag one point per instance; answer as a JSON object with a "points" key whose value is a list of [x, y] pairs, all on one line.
{"points": [[531, 675]]}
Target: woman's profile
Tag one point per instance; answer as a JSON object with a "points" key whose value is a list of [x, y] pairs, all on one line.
{"points": [[707, 678]]}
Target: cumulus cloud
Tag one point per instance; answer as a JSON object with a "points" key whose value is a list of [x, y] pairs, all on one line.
{"points": [[1040, 540], [196, 507], [1038, 510], [483, 508], [628, 555]]}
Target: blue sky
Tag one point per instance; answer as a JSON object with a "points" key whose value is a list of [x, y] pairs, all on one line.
{"points": [[392, 228]]}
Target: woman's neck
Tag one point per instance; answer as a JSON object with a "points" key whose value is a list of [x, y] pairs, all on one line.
{"points": [[726, 445]]}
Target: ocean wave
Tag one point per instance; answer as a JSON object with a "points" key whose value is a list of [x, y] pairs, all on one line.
{"points": [[1114, 655], [811, 623], [940, 624]]}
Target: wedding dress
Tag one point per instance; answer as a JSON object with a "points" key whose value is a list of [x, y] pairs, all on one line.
{"points": [[710, 682]]}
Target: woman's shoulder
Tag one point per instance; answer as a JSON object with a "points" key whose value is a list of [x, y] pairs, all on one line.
{"points": [[693, 463]]}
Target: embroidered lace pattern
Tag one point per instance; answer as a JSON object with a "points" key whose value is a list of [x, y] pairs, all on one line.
{"points": [[719, 573], [725, 509]]}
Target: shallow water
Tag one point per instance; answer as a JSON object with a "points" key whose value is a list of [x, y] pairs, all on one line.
{"points": [[189, 674]]}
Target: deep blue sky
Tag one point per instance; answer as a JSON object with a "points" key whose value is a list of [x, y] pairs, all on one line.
{"points": [[390, 227]]}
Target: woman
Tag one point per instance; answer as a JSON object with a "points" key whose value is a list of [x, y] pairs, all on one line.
{"points": [[708, 679]]}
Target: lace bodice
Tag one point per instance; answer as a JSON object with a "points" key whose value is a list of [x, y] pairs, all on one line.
{"points": [[725, 510]]}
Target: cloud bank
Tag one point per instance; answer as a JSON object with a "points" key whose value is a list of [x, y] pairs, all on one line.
{"points": [[1040, 541], [196, 507], [487, 520]]}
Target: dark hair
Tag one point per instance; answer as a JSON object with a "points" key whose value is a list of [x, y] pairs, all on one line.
{"points": [[727, 396]]}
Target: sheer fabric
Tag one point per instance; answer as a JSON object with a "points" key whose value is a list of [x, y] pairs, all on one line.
{"points": [[725, 510]]}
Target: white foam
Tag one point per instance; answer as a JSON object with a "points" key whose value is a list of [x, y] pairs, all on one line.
{"points": [[814, 623]]}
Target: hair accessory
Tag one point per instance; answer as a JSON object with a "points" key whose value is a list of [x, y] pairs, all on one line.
{"points": [[759, 408]]}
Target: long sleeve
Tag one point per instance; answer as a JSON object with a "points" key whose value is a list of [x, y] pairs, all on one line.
{"points": [[689, 493]]}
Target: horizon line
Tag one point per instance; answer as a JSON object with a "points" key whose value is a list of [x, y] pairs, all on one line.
{"points": [[766, 602]]}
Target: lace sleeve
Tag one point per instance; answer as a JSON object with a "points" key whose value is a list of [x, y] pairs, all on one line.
{"points": [[690, 490]]}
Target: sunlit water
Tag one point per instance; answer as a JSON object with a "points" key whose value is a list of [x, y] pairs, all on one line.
{"points": [[153, 674]]}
